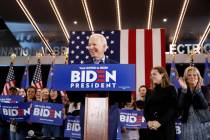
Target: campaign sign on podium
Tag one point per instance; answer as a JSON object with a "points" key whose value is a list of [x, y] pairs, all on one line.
{"points": [[91, 77]]}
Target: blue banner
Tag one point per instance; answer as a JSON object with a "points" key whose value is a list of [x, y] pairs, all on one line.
{"points": [[47, 113], [178, 125], [15, 111], [132, 119], [11, 99], [91, 77], [72, 127]]}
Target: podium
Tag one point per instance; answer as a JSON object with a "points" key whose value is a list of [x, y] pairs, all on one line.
{"points": [[100, 78], [96, 118]]}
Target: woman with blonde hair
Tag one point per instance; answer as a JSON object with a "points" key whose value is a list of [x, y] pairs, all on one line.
{"points": [[160, 107], [193, 106]]}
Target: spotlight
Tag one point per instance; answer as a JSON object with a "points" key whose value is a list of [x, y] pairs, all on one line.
{"points": [[165, 20], [75, 22]]}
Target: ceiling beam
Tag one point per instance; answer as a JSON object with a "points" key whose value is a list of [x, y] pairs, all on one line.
{"points": [[150, 14], [204, 36], [118, 14], [87, 14], [180, 21], [60, 20], [34, 24]]}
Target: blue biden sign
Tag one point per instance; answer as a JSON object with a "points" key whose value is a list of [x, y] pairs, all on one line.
{"points": [[90, 77]]}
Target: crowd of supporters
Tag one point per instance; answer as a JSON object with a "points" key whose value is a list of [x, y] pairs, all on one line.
{"points": [[162, 104]]}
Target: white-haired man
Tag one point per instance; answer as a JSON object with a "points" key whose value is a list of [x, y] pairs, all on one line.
{"points": [[97, 47]]}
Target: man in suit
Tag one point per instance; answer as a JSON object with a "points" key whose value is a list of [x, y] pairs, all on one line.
{"points": [[97, 47]]}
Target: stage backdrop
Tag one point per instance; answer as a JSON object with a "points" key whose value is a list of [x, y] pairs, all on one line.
{"points": [[143, 47]]}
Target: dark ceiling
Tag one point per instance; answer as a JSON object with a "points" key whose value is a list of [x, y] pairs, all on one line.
{"points": [[103, 13]]}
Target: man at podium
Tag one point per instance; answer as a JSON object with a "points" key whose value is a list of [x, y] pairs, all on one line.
{"points": [[97, 47]]}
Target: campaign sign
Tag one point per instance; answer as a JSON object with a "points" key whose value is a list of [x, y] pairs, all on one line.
{"points": [[72, 127], [15, 111], [94, 77], [178, 125], [11, 99], [47, 113], [132, 119]]}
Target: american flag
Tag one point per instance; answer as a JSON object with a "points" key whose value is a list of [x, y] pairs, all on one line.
{"points": [[143, 47], [78, 53], [37, 78], [10, 81]]}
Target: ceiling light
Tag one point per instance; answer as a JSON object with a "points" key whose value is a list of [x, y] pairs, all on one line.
{"points": [[165, 20], [75, 22]]}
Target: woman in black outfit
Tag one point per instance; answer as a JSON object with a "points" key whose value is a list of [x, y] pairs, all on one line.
{"points": [[160, 107]]}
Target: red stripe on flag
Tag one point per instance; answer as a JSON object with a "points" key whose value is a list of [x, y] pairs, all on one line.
{"points": [[7, 86], [36, 85], [39, 84], [6, 90], [12, 83], [163, 47], [132, 47], [132, 51], [148, 55]]}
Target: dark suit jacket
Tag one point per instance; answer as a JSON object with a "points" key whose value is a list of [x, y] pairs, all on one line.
{"points": [[198, 99], [160, 105]]}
